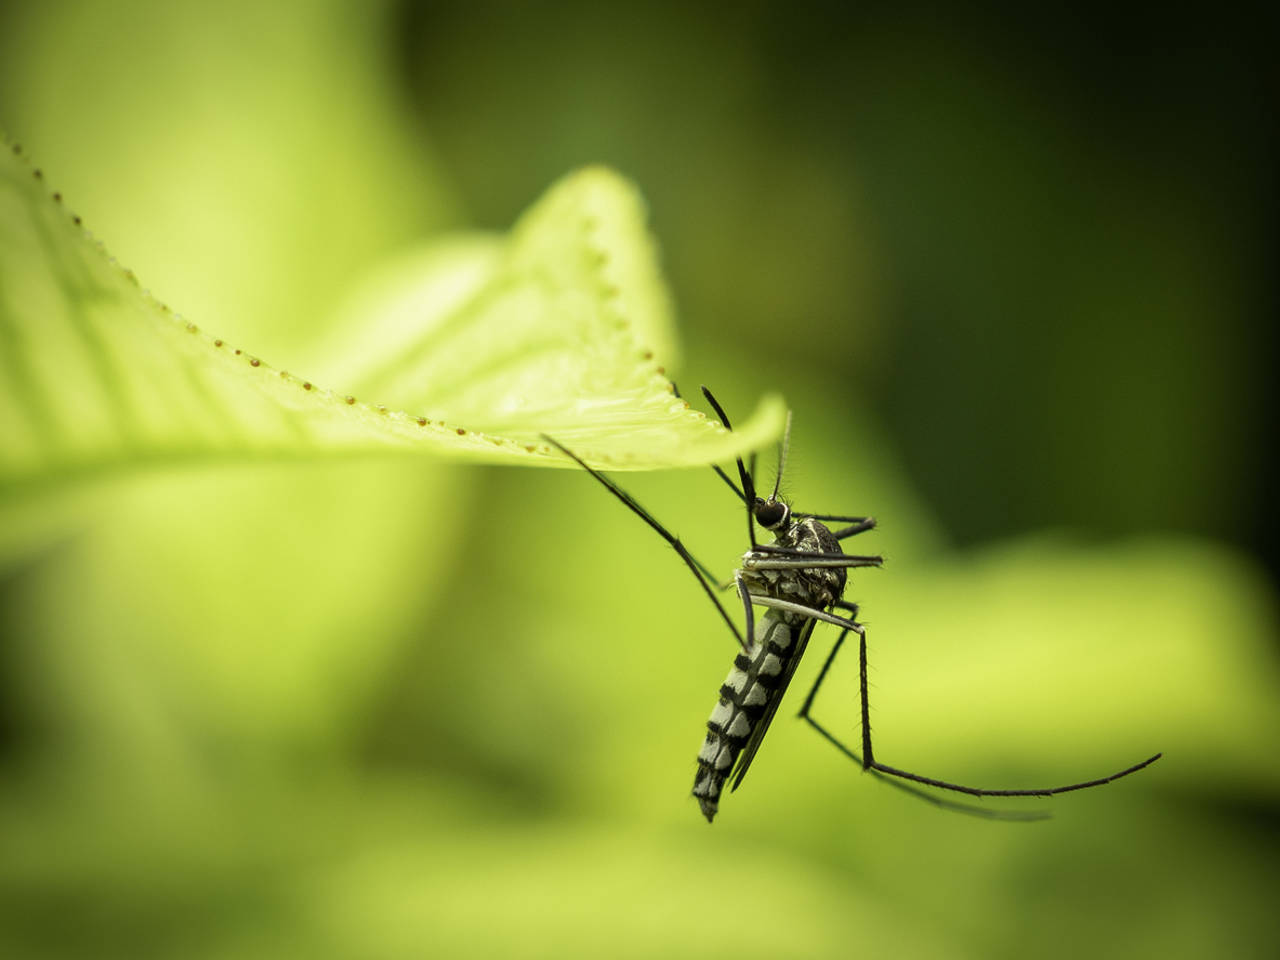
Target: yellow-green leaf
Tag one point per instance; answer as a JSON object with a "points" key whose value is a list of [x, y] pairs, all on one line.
{"points": [[473, 351]]}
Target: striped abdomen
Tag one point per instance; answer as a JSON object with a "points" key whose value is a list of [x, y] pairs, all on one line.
{"points": [[749, 695]]}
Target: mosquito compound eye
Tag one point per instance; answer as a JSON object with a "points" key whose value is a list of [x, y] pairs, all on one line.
{"points": [[770, 513]]}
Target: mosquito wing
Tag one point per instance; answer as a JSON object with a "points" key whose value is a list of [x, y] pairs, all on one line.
{"points": [[771, 624]]}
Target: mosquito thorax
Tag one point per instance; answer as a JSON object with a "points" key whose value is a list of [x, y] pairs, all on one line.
{"points": [[771, 514]]}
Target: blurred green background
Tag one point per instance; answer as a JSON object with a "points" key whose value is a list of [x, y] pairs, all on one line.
{"points": [[1010, 268]]}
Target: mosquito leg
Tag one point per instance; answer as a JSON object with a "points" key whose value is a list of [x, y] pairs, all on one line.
{"points": [[919, 794], [833, 517], [1042, 792], [732, 486], [746, 607], [868, 754], [776, 550], [817, 560], [857, 524], [866, 761], [723, 476], [772, 557], [861, 526], [698, 570], [869, 761], [822, 675], [745, 475], [798, 608]]}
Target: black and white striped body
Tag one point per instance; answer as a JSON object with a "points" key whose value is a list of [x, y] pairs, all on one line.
{"points": [[760, 675]]}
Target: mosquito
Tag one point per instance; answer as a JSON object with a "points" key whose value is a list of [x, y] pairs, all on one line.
{"points": [[799, 581]]}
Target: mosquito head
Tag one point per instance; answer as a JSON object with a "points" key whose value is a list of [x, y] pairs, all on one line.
{"points": [[771, 514]]}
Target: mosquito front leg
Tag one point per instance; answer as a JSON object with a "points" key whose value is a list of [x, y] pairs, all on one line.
{"points": [[699, 570], [748, 491], [857, 524], [773, 557]]}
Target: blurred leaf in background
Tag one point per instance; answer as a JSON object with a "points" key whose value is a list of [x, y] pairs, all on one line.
{"points": [[388, 708]]}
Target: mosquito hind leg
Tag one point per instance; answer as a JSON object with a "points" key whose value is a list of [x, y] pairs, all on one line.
{"points": [[870, 763], [865, 760], [952, 805], [812, 613], [981, 792]]}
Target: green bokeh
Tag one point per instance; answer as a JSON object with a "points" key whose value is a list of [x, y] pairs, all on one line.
{"points": [[386, 709]]}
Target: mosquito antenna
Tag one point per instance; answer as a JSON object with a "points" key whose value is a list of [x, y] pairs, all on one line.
{"points": [[782, 458]]}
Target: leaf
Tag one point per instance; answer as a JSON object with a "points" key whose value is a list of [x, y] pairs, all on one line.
{"points": [[487, 343], [561, 329]]}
